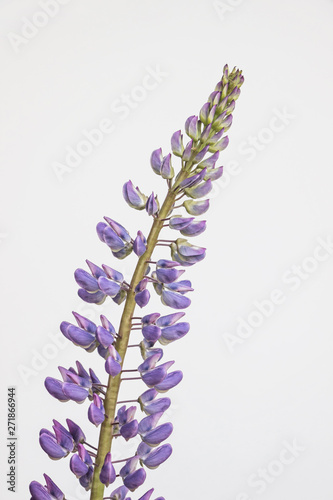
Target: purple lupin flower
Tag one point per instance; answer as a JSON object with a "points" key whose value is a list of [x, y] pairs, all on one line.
{"points": [[189, 171], [48, 492], [96, 411], [108, 473]]}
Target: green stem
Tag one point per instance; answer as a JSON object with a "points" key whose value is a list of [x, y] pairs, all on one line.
{"points": [[105, 438]]}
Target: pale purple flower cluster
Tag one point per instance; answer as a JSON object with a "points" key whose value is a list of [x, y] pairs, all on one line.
{"points": [[192, 184]]}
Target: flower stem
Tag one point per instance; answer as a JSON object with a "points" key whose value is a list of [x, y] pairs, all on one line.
{"points": [[105, 438]]}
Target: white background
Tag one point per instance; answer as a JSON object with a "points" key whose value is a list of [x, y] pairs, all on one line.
{"points": [[239, 404]]}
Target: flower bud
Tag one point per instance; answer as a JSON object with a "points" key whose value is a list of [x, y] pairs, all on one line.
{"points": [[156, 161], [177, 143], [133, 196], [108, 474], [167, 170], [199, 191]]}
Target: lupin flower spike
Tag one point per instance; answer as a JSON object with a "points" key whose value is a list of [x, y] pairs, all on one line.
{"points": [[189, 171]]}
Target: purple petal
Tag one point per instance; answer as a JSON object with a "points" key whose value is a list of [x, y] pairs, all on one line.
{"points": [[76, 431], [210, 161], [92, 298], [38, 491], [96, 271], [147, 495], [142, 285], [170, 381], [142, 298], [166, 264], [148, 363], [194, 229], [63, 328], [167, 170], [108, 474], [119, 493], [84, 323], [78, 467], [100, 230], [199, 191], [55, 388], [168, 275], [177, 143], [139, 245], [158, 456], [136, 479], [120, 297], [156, 161], [193, 130], [188, 250], [206, 133], [221, 145], [104, 337], [80, 337], [200, 156], [143, 450], [119, 229], [187, 151], [174, 332], [159, 405], [151, 333], [158, 435], [182, 286], [53, 489], [81, 371], [51, 447], [147, 396], [156, 375], [95, 415], [129, 430], [214, 173], [75, 392], [112, 367], [151, 205], [204, 113], [106, 324], [93, 377], [108, 287], [186, 253], [133, 196], [86, 480], [150, 319], [170, 319], [180, 222], [64, 438], [193, 180], [196, 207], [84, 455], [125, 415], [129, 466], [85, 280], [175, 300], [113, 274], [112, 239], [149, 423]]}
